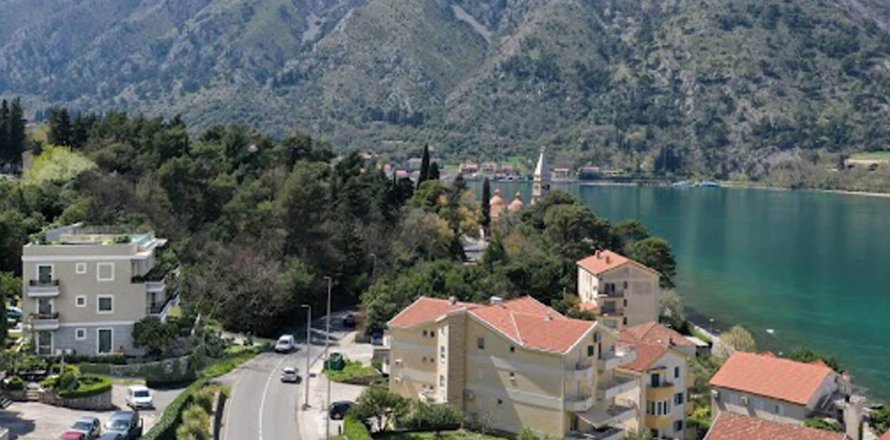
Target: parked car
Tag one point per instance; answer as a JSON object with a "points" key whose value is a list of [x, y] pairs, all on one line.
{"points": [[138, 396], [127, 424], [286, 344], [377, 338], [349, 320], [88, 425], [291, 375], [13, 315], [112, 436], [73, 435], [338, 410]]}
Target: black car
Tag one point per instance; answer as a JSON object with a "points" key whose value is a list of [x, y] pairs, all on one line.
{"points": [[349, 321], [339, 409], [127, 424], [112, 436]]}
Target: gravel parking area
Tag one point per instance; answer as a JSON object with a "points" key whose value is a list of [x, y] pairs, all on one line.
{"points": [[36, 421]]}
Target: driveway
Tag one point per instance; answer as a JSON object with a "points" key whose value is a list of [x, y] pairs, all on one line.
{"points": [[36, 421]]}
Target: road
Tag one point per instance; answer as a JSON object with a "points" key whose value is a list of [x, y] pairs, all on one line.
{"points": [[263, 408]]}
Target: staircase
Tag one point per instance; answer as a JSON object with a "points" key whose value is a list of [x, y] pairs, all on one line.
{"points": [[5, 402]]}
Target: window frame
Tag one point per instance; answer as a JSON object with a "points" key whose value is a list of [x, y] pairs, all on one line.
{"points": [[99, 299], [99, 266], [80, 334], [78, 298], [99, 340], [80, 268]]}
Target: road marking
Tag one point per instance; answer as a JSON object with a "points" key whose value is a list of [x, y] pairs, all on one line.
{"points": [[225, 433], [266, 391]]}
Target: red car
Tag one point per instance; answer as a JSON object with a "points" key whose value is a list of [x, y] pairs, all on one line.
{"points": [[73, 435]]}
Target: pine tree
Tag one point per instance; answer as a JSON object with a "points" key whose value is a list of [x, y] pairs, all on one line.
{"points": [[424, 166], [60, 129], [486, 207], [15, 129], [434, 171]]}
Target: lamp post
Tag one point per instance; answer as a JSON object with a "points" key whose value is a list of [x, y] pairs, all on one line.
{"points": [[308, 351], [327, 344]]}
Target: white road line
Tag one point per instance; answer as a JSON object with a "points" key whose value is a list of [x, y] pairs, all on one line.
{"points": [[225, 433], [266, 391]]}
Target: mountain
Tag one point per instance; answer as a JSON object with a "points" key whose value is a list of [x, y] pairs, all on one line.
{"points": [[713, 87]]}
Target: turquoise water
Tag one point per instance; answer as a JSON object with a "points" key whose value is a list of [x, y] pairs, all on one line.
{"points": [[814, 267]]}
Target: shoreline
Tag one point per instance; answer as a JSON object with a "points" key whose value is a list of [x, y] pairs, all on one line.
{"points": [[736, 184]]}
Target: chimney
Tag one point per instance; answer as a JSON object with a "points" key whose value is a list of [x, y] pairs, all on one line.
{"points": [[496, 300], [598, 254], [452, 300], [608, 259], [853, 414]]}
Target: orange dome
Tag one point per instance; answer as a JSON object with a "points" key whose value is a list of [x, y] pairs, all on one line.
{"points": [[516, 204]]}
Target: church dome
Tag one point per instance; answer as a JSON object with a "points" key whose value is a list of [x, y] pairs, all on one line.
{"points": [[516, 204], [497, 200]]}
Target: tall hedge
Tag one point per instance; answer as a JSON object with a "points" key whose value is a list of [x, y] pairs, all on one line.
{"points": [[355, 429], [165, 428]]}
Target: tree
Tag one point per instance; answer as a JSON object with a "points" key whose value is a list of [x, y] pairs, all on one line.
{"points": [[195, 424], [486, 207], [60, 128], [575, 231], [806, 355], [656, 254], [154, 335], [15, 129], [629, 231], [380, 404], [434, 171], [739, 339], [880, 420], [424, 166]]}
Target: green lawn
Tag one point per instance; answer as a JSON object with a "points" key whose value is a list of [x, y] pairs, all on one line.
{"points": [[871, 155], [235, 356], [444, 435], [352, 370]]}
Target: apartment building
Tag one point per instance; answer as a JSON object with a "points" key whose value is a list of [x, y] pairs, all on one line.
{"points": [[662, 368], [83, 290], [513, 364], [731, 426], [619, 290], [781, 390]]}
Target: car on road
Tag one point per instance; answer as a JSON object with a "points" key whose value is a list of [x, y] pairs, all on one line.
{"points": [[338, 410], [377, 338], [286, 344], [88, 425], [290, 375], [349, 321], [73, 435], [127, 424], [138, 396]]}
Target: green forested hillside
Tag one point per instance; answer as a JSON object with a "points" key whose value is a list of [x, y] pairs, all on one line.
{"points": [[714, 87]]}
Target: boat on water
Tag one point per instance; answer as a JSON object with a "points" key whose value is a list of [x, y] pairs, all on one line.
{"points": [[708, 184], [682, 184]]}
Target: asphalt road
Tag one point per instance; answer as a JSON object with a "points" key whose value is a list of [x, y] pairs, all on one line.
{"points": [[261, 406]]}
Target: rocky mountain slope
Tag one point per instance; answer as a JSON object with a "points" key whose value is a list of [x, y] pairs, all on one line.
{"points": [[717, 87]]}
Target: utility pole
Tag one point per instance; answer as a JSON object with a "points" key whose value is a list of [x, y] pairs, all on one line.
{"points": [[327, 344], [308, 352]]}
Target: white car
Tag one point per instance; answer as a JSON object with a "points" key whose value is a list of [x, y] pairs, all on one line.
{"points": [[290, 374], [139, 396], [286, 344]]}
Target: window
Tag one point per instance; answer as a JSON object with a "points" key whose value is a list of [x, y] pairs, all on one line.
{"points": [[678, 399], [80, 301], [480, 343], [105, 272], [625, 320], [512, 349], [44, 343], [591, 350], [596, 337], [441, 380], [105, 304], [424, 333], [104, 340], [655, 380], [676, 372], [512, 376], [678, 426], [44, 272], [80, 268], [625, 302], [500, 402], [80, 334], [442, 352], [780, 410], [758, 404], [625, 284]]}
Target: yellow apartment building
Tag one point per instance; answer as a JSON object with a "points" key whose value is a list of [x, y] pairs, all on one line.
{"points": [[619, 290]]}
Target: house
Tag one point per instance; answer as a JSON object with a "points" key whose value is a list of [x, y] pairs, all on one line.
{"points": [[562, 174], [512, 364], [83, 290], [469, 168], [886, 436], [731, 426], [619, 290], [662, 369], [782, 390]]}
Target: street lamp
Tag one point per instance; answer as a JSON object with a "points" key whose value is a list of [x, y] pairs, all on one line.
{"points": [[308, 350], [327, 344]]}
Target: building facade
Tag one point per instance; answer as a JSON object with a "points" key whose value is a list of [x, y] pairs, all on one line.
{"points": [[512, 364], [82, 292], [621, 292]]}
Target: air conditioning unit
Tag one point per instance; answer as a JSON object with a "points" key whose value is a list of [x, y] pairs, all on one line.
{"points": [[744, 400]]}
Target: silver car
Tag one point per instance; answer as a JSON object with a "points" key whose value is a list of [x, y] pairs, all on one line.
{"points": [[290, 375]]}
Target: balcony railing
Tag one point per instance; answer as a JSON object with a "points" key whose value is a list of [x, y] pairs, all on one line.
{"points": [[605, 433], [616, 293], [43, 283], [43, 288], [607, 389], [45, 320], [162, 309], [579, 403]]}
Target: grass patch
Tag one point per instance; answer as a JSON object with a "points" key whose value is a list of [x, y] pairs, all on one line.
{"points": [[871, 155], [351, 371], [235, 356], [442, 435], [88, 385]]}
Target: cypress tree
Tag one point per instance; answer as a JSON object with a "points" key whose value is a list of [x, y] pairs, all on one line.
{"points": [[486, 207], [60, 129], [424, 166], [434, 171], [5, 150], [16, 131]]}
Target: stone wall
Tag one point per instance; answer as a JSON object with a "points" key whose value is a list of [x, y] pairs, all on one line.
{"points": [[168, 370], [98, 402]]}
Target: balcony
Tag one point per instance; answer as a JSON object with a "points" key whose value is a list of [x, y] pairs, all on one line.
{"points": [[45, 321], [155, 286], [659, 422], [579, 403], [43, 288], [612, 293], [664, 391], [582, 371], [161, 310], [605, 433], [608, 389], [615, 414], [608, 361]]}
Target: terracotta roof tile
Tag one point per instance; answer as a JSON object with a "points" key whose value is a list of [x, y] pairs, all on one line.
{"points": [[604, 261], [731, 426], [770, 376], [886, 436], [655, 333], [533, 324], [646, 355], [425, 310]]}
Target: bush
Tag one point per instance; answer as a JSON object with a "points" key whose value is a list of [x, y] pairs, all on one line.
{"points": [[66, 381], [427, 417], [204, 398], [165, 428], [87, 385], [355, 429], [825, 425], [114, 359], [195, 424], [14, 383]]}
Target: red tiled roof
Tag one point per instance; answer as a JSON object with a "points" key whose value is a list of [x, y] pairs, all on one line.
{"points": [[655, 333], [604, 261], [731, 426], [425, 310], [646, 355], [770, 376], [886, 436]]}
